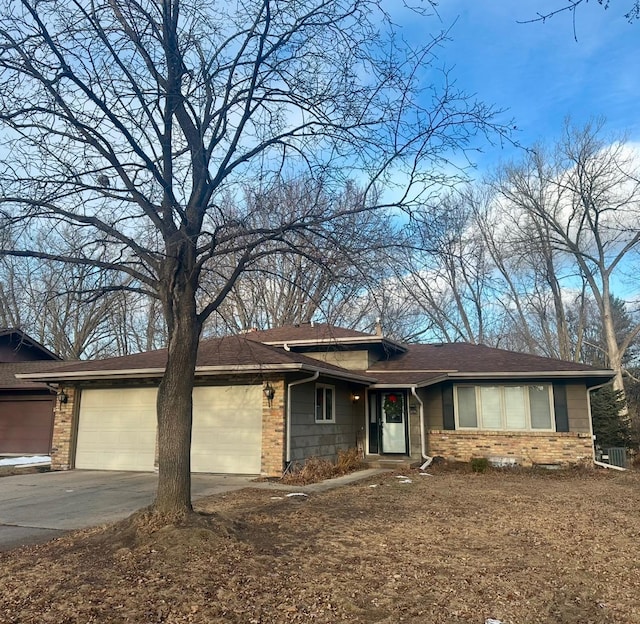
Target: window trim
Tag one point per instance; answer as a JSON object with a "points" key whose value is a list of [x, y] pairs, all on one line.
{"points": [[527, 429], [324, 387]]}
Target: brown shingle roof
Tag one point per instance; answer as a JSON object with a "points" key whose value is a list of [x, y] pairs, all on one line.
{"points": [[8, 371], [229, 353], [418, 365], [464, 357]]}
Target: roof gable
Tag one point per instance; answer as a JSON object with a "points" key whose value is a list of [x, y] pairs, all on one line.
{"points": [[322, 336], [304, 331], [17, 346]]}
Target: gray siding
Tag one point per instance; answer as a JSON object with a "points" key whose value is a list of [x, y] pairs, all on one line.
{"points": [[578, 408], [352, 360], [311, 439], [431, 396]]}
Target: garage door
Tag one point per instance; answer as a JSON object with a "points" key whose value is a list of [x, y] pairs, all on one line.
{"points": [[227, 429], [117, 429], [26, 425]]}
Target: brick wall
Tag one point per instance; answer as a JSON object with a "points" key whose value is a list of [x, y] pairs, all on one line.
{"points": [[63, 431], [526, 448], [273, 430]]}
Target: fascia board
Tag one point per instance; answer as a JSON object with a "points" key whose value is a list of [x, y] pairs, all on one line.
{"points": [[139, 373], [455, 375], [310, 342], [415, 384], [533, 374]]}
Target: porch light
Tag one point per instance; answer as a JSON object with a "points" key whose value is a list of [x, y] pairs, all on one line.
{"points": [[269, 393], [355, 397], [63, 397]]}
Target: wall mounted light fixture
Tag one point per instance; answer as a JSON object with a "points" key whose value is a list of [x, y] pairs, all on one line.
{"points": [[269, 393], [63, 397], [355, 397]]}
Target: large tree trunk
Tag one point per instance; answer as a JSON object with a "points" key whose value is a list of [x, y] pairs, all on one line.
{"points": [[175, 407]]}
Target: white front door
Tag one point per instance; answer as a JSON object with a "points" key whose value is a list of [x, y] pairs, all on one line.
{"points": [[394, 435]]}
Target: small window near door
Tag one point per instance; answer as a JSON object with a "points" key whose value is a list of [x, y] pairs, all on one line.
{"points": [[325, 408]]}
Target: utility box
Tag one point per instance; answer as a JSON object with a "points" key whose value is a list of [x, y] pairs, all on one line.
{"points": [[617, 456]]}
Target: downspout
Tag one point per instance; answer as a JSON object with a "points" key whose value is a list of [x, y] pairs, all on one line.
{"points": [[423, 435], [593, 441], [288, 415]]}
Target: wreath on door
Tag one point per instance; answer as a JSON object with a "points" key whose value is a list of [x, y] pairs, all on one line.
{"points": [[393, 407]]}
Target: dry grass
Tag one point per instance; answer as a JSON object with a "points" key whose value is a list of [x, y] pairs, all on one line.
{"points": [[455, 547], [10, 471], [316, 469]]}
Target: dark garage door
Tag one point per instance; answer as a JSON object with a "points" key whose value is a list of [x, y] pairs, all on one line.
{"points": [[26, 425]]}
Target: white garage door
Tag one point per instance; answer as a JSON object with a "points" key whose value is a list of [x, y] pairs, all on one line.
{"points": [[117, 429], [227, 429]]}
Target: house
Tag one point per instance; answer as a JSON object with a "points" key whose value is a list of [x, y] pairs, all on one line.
{"points": [[26, 407], [267, 398]]}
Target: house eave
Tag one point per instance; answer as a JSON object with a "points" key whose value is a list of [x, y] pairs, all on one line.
{"points": [[576, 374], [310, 342], [416, 384], [486, 376], [206, 371]]}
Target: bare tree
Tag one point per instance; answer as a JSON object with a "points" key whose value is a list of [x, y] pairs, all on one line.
{"points": [[531, 270], [137, 120], [592, 220], [449, 275], [323, 279], [572, 6], [56, 304]]}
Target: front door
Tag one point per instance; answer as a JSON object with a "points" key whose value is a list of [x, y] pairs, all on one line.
{"points": [[393, 420]]}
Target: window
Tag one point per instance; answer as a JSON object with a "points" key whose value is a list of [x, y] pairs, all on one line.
{"points": [[508, 408], [325, 408]]}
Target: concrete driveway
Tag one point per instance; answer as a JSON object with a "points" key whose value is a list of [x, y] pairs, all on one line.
{"points": [[39, 507]]}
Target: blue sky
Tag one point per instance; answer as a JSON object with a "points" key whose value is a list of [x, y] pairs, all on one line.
{"points": [[538, 71]]}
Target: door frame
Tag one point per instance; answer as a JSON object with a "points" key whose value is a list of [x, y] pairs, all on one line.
{"points": [[374, 420]]}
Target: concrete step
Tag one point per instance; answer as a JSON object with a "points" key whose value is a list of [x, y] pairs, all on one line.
{"points": [[392, 463]]}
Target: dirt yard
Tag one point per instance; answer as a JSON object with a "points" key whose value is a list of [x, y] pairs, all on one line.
{"points": [[452, 547]]}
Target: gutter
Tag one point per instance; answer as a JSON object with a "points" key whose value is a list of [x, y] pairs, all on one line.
{"points": [[346, 340], [421, 384], [603, 465], [88, 375], [288, 414], [423, 433], [550, 374]]}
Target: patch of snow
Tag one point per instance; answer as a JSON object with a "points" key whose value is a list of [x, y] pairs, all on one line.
{"points": [[374, 485], [426, 474], [25, 461], [277, 497], [406, 481], [296, 494]]}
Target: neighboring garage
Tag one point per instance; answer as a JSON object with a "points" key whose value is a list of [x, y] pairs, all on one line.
{"points": [[26, 407], [117, 429], [26, 424]]}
